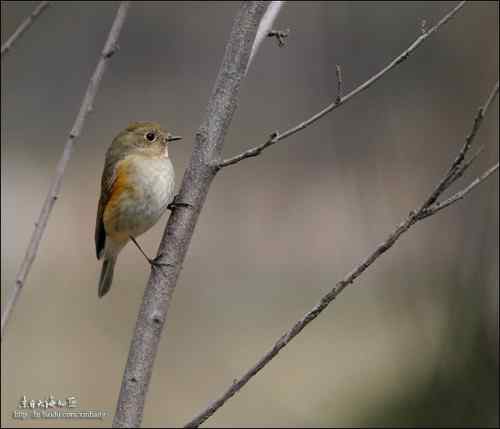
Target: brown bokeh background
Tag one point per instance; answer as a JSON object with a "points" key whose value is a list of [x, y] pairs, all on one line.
{"points": [[413, 342]]}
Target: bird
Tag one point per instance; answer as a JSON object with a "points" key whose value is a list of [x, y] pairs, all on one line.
{"points": [[137, 187]]}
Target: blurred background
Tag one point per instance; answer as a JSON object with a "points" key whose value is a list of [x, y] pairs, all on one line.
{"points": [[414, 342]]}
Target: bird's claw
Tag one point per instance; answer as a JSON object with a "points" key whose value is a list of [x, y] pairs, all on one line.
{"points": [[156, 263], [176, 203]]}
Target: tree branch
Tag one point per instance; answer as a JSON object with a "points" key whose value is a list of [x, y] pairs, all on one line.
{"points": [[181, 224], [24, 26], [265, 26], [277, 136], [425, 210], [432, 210], [458, 166], [110, 48]]}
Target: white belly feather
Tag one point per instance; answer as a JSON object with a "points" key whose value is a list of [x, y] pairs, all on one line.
{"points": [[154, 180]]}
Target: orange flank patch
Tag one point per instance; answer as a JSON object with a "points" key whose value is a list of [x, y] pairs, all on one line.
{"points": [[122, 188]]}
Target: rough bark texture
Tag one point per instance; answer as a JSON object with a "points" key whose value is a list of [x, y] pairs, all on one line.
{"points": [[179, 230]]}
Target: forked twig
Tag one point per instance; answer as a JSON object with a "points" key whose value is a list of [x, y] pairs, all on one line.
{"points": [[277, 136], [428, 208]]}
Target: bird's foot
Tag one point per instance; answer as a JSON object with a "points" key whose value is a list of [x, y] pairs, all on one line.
{"points": [[156, 263], [176, 203]]}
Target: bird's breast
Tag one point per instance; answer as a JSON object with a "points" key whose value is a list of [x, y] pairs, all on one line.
{"points": [[154, 178], [154, 181], [149, 189]]}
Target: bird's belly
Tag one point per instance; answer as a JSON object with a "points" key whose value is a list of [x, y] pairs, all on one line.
{"points": [[141, 207]]}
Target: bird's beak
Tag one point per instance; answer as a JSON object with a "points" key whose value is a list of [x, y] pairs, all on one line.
{"points": [[171, 138]]}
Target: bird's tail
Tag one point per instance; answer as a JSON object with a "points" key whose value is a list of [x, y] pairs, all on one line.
{"points": [[108, 267]]}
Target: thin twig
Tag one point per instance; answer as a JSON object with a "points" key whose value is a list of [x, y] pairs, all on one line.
{"points": [[466, 164], [454, 172], [432, 210], [337, 103], [383, 247], [7, 46], [209, 140], [265, 26], [110, 48]]}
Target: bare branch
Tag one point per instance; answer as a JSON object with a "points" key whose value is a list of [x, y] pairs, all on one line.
{"points": [[454, 172], [432, 210], [465, 165], [7, 46], [265, 26], [55, 186], [337, 103], [181, 224], [425, 210]]}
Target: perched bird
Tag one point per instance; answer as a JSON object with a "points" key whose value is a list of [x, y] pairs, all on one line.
{"points": [[136, 188]]}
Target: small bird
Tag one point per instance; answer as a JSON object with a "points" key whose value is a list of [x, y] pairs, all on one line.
{"points": [[136, 188]]}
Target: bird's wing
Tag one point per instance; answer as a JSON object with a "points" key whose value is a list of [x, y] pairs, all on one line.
{"points": [[108, 179]]}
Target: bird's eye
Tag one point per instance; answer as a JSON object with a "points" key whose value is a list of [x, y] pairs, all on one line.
{"points": [[150, 136]]}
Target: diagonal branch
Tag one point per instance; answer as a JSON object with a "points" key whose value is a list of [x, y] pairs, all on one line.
{"points": [[424, 211], [432, 210], [174, 244], [339, 101], [110, 48], [459, 165], [7, 46], [265, 26]]}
